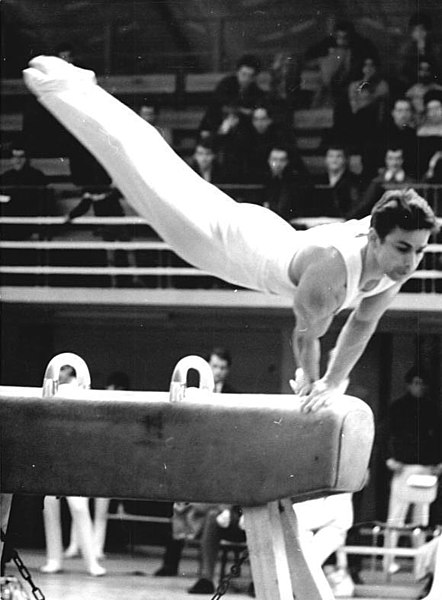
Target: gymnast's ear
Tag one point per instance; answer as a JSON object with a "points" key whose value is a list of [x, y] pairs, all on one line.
{"points": [[373, 236]]}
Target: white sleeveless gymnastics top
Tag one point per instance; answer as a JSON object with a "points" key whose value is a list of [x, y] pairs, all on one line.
{"points": [[348, 238]]}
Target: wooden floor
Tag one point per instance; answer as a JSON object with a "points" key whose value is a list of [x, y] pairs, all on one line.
{"points": [[131, 576]]}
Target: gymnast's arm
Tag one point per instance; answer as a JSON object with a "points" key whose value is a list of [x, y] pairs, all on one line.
{"points": [[320, 277], [350, 346]]}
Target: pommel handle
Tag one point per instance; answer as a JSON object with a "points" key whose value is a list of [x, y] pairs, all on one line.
{"points": [[178, 385]]}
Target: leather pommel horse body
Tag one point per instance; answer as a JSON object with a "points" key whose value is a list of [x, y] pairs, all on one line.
{"points": [[192, 445]]}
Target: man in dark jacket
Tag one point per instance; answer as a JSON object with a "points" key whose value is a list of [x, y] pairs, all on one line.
{"points": [[393, 174], [286, 191], [414, 447], [24, 192], [337, 193]]}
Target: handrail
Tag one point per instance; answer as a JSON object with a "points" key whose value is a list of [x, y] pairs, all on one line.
{"points": [[126, 220], [117, 245], [82, 245], [133, 220], [135, 271], [169, 271]]}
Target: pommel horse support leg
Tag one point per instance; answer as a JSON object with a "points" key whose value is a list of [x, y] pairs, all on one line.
{"points": [[258, 451]]}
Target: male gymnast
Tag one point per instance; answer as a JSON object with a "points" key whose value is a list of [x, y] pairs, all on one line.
{"points": [[358, 264]]}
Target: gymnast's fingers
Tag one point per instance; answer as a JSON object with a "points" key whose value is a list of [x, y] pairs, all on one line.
{"points": [[316, 400]]}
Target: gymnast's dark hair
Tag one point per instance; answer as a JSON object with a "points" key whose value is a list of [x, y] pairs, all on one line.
{"points": [[404, 209]]}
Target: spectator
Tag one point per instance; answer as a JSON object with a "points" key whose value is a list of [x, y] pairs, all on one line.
{"points": [[65, 50], [284, 83], [24, 191], [263, 134], [220, 361], [392, 174], [115, 381], [420, 44], [367, 98], [339, 58], [79, 507], [413, 446], [205, 163], [398, 131], [105, 202], [239, 89], [430, 131], [221, 522], [426, 81], [150, 112], [198, 521], [229, 138], [338, 193], [286, 191]]}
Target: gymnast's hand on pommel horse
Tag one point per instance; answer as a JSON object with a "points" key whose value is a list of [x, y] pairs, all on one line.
{"points": [[360, 264]]}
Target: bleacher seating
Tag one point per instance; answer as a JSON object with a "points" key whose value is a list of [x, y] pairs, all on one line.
{"points": [[56, 256]]}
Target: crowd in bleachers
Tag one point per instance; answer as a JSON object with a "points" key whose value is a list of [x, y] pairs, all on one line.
{"points": [[386, 130]]}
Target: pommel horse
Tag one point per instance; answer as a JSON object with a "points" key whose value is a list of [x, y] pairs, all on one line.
{"points": [[255, 450]]}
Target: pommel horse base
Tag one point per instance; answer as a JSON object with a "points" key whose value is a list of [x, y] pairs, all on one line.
{"points": [[257, 451]]}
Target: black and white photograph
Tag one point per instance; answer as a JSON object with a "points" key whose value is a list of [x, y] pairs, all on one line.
{"points": [[221, 299]]}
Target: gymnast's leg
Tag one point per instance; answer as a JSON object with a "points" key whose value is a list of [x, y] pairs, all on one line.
{"points": [[202, 224], [100, 525], [53, 535], [81, 518]]}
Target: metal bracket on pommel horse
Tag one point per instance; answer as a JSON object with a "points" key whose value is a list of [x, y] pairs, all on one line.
{"points": [[258, 451]]}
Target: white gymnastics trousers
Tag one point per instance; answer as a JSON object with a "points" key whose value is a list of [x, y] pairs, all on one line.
{"points": [[244, 244]]}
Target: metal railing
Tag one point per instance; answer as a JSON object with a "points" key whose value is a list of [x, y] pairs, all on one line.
{"points": [[50, 257]]}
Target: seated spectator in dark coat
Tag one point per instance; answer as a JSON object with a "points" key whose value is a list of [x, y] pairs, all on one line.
{"points": [[286, 191], [430, 131], [426, 81], [392, 175], [339, 58], [239, 89], [24, 191], [230, 142], [105, 202], [420, 44], [205, 163], [150, 112], [262, 135], [337, 193], [397, 131], [367, 98]]}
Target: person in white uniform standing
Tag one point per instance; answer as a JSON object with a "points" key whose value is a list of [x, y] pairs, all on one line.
{"points": [[325, 269]]}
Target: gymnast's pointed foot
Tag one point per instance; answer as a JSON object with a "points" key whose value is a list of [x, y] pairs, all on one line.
{"points": [[49, 74]]}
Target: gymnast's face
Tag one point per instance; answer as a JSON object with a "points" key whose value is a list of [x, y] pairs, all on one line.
{"points": [[400, 252]]}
